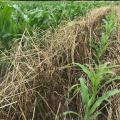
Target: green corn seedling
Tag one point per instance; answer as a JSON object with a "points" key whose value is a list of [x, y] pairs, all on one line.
{"points": [[89, 95], [102, 46]]}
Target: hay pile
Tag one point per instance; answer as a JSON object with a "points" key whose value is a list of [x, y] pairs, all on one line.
{"points": [[36, 80]]}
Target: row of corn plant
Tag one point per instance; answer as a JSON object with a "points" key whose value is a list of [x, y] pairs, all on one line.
{"points": [[100, 47], [51, 14], [16, 16], [99, 76]]}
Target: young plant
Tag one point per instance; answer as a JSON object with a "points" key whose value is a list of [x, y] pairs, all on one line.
{"points": [[99, 77], [102, 46]]}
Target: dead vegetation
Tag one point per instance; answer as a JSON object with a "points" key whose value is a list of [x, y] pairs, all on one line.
{"points": [[35, 83]]}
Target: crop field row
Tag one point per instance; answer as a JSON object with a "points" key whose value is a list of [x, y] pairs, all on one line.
{"points": [[16, 16], [59, 60]]}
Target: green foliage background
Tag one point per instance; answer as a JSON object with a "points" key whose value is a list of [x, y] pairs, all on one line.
{"points": [[15, 16]]}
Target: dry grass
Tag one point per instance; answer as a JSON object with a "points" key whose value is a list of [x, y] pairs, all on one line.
{"points": [[37, 75]]}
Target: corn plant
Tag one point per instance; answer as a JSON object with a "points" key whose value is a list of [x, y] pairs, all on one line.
{"points": [[16, 16], [10, 26], [103, 45], [99, 77]]}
